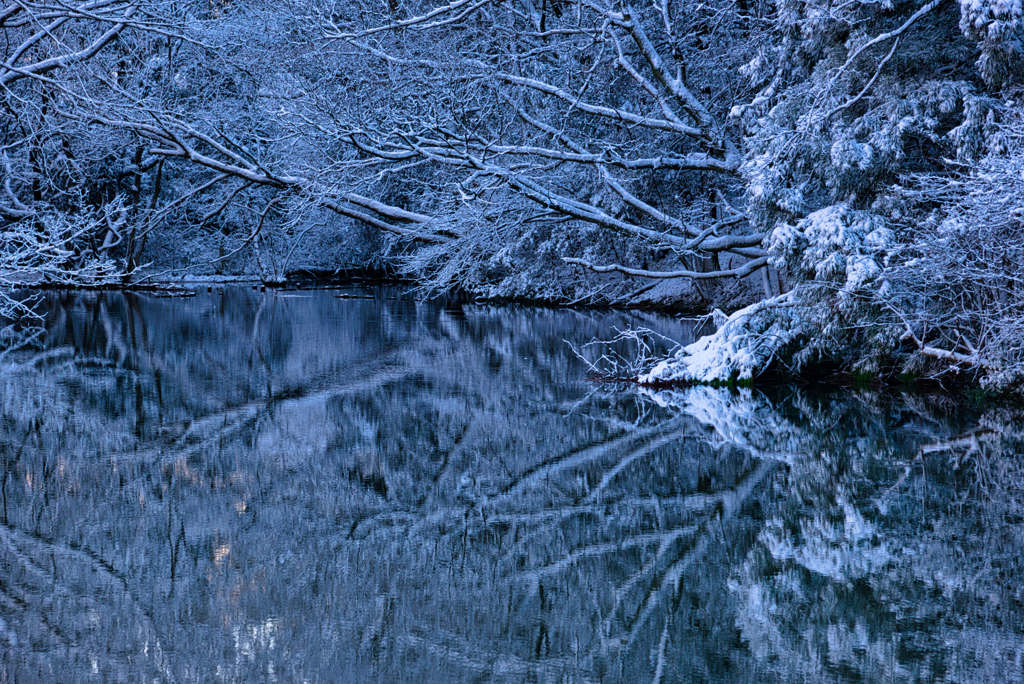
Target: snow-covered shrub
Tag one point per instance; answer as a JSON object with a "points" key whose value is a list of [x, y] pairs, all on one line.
{"points": [[956, 287], [837, 246], [997, 26], [52, 247], [742, 348], [843, 112], [834, 258]]}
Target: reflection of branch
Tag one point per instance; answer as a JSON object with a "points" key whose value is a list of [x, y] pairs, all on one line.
{"points": [[594, 550], [659, 670], [21, 547], [971, 443], [671, 578], [212, 428], [689, 503], [497, 665], [38, 359], [574, 458], [622, 592], [628, 459]]}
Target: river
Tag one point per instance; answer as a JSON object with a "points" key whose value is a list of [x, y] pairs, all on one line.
{"points": [[357, 485]]}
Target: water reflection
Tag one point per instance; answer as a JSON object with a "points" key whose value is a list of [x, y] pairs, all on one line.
{"points": [[248, 487], [892, 553]]}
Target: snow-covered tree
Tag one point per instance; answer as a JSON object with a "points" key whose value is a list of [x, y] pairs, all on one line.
{"points": [[591, 152], [855, 100]]}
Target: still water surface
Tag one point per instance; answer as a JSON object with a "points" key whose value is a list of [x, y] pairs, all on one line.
{"points": [[307, 487]]}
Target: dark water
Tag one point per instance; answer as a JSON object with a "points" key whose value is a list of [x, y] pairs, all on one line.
{"points": [[297, 487]]}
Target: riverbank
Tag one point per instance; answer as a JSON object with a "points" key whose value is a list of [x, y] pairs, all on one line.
{"points": [[713, 359]]}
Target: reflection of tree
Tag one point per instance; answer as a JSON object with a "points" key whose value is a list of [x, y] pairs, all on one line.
{"points": [[431, 488], [249, 488], [894, 554]]}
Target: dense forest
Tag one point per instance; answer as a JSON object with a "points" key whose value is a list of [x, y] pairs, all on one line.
{"points": [[846, 177]]}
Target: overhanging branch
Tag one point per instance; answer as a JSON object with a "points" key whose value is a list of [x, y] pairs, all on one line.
{"points": [[744, 270]]}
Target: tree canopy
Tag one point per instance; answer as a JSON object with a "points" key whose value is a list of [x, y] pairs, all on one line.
{"points": [[851, 170]]}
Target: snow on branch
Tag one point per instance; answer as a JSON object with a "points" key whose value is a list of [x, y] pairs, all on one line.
{"points": [[741, 349], [746, 269]]}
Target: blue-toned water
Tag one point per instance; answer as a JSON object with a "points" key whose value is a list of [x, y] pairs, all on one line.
{"points": [[357, 486]]}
